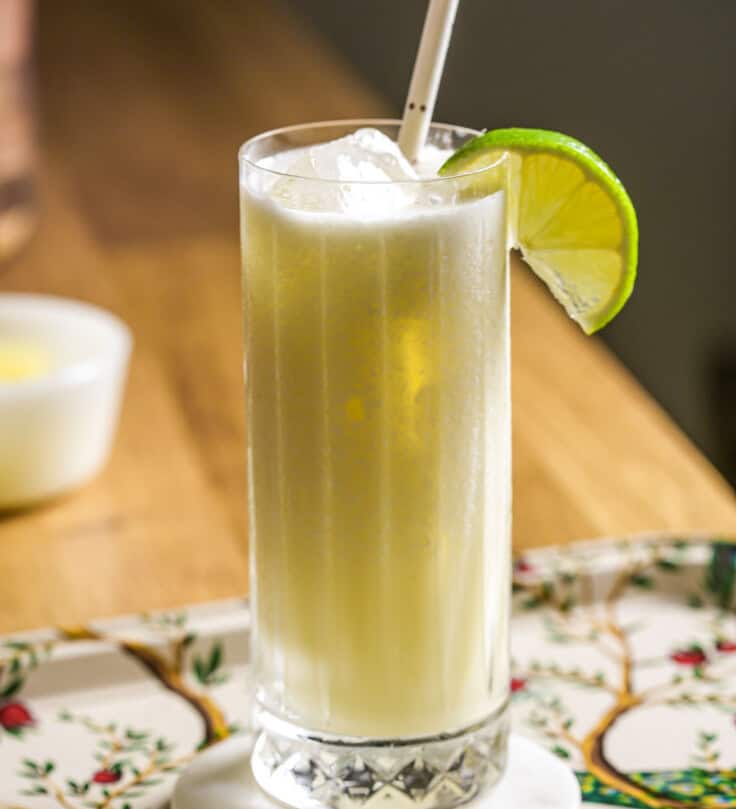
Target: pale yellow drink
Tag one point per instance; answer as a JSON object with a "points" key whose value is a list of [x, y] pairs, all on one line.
{"points": [[378, 408]]}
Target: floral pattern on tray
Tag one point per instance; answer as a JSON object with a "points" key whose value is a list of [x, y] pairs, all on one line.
{"points": [[106, 717], [624, 666]]}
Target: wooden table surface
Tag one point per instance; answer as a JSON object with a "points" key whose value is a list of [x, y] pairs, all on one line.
{"points": [[142, 111]]}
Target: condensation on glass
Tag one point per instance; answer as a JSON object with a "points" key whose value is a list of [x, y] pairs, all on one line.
{"points": [[378, 411]]}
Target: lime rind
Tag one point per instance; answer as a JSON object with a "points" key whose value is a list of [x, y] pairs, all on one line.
{"points": [[524, 142]]}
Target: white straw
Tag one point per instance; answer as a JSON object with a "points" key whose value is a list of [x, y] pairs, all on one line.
{"points": [[425, 80]]}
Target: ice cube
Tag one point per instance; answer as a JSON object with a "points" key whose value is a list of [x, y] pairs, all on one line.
{"points": [[367, 163], [366, 155]]}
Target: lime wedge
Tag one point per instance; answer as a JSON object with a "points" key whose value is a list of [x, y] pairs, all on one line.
{"points": [[568, 214]]}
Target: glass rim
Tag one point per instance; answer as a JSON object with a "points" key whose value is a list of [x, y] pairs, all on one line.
{"points": [[357, 123]]}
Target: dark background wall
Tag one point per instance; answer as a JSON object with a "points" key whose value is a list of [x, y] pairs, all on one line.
{"points": [[651, 86]]}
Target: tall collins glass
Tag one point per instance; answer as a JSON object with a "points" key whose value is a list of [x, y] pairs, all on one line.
{"points": [[378, 411]]}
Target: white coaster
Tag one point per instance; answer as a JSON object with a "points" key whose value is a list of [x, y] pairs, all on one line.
{"points": [[221, 778]]}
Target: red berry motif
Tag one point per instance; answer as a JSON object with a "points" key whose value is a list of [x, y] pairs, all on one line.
{"points": [[694, 656], [14, 715], [517, 684], [726, 646], [107, 776], [522, 566]]}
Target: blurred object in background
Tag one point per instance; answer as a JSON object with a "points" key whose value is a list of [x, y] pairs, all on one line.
{"points": [[63, 366], [17, 148]]}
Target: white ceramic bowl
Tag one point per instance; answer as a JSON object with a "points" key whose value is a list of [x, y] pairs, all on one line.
{"points": [[56, 429]]}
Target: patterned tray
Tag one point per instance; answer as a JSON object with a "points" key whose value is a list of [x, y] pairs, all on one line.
{"points": [[624, 665]]}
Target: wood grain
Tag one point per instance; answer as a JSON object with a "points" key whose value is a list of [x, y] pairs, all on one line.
{"points": [[142, 112]]}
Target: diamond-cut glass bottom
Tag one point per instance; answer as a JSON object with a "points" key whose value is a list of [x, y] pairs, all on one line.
{"points": [[306, 770]]}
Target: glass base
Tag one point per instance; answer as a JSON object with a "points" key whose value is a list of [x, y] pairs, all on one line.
{"points": [[308, 770]]}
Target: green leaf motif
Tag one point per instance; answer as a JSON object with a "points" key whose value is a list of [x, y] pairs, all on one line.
{"points": [[37, 790], [135, 735], [78, 789], [642, 581], [12, 688], [720, 578], [206, 670], [200, 671], [215, 657], [560, 751], [17, 645]]}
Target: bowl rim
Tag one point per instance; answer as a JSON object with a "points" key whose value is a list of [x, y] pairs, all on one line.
{"points": [[78, 372]]}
